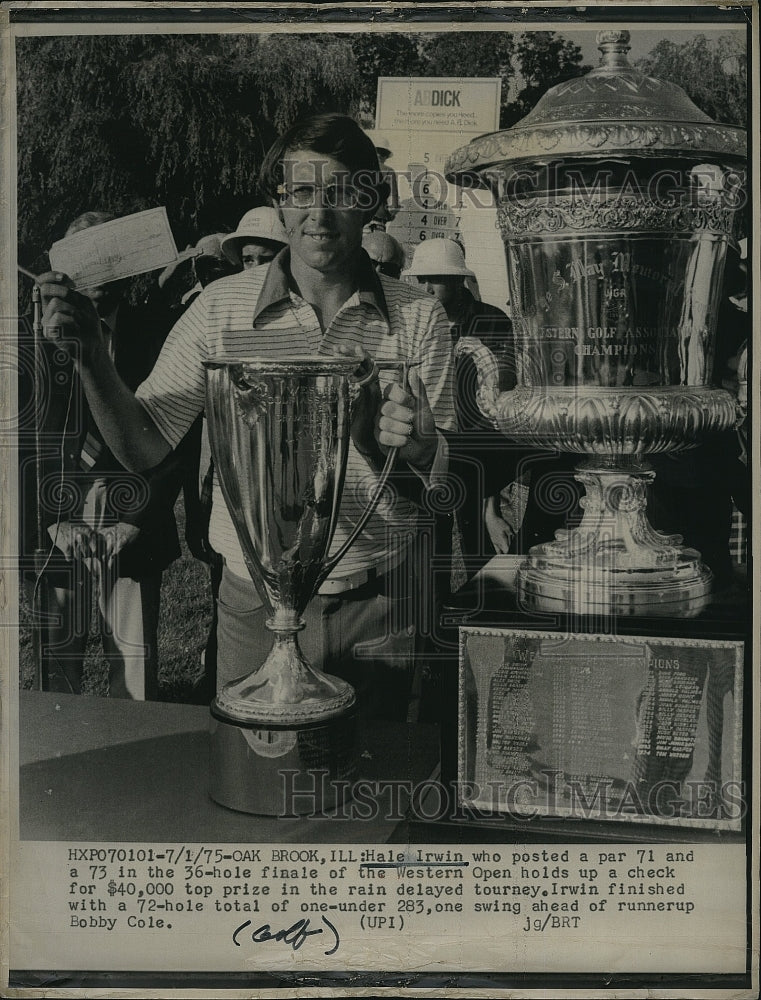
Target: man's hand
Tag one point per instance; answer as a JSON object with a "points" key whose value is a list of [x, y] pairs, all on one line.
{"points": [[398, 419], [70, 319], [115, 537], [183, 258], [78, 542], [499, 530], [69, 316], [405, 421]]}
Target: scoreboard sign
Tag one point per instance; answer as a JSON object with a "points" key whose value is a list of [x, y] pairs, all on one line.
{"points": [[411, 225], [424, 119], [435, 115]]}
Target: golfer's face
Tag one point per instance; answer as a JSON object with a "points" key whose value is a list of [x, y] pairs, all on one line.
{"points": [[320, 213]]}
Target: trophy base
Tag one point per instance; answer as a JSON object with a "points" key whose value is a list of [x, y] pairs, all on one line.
{"points": [[286, 688], [570, 590], [294, 769], [614, 563]]}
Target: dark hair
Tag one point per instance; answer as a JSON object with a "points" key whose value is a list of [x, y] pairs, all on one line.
{"points": [[88, 219], [333, 135]]}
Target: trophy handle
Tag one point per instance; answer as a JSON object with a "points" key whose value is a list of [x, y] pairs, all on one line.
{"points": [[385, 473], [487, 393], [366, 515]]}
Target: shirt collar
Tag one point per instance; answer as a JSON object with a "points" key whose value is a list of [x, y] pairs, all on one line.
{"points": [[108, 326], [110, 321], [371, 288], [278, 284]]}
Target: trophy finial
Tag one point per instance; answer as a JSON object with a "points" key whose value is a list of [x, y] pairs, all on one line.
{"points": [[614, 44]]}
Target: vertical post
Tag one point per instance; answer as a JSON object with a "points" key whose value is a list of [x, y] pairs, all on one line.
{"points": [[39, 599]]}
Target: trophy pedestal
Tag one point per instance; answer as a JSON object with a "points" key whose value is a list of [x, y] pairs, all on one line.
{"points": [[614, 563], [296, 769]]}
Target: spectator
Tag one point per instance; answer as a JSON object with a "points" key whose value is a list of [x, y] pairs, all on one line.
{"points": [[182, 280], [477, 455], [110, 533], [386, 254], [386, 209], [258, 238]]}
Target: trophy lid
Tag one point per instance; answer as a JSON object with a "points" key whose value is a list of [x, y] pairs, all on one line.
{"points": [[613, 110]]}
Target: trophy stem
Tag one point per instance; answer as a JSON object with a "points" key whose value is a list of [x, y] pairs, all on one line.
{"points": [[614, 562], [286, 689]]}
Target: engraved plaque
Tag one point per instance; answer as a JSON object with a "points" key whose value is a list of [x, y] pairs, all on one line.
{"points": [[628, 729]]}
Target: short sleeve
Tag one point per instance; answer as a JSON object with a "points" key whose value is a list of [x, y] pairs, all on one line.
{"points": [[174, 392]]}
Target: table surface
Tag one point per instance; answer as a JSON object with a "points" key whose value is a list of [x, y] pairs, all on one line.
{"points": [[101, 769]]}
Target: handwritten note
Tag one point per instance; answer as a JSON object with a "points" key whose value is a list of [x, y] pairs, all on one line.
{"points": [[121, 248]]}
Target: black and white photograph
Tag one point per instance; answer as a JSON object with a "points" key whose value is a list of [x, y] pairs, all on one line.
{"points": [[378, 463]]}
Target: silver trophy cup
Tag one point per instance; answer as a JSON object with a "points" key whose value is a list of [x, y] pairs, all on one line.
{"points": [[616, 198], [283, 736]]}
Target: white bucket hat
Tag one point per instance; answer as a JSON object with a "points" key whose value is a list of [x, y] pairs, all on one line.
{"points": [[438, 256], [259, 225]]}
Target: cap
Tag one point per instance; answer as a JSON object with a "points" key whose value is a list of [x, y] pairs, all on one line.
{"points": [[210, 246]]}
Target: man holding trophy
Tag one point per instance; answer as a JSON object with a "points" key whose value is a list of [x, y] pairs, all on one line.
{"points": [[319, 298]]}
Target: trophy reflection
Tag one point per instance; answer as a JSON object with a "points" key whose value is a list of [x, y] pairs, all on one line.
{"points": [[616, 199], [279, 433]]}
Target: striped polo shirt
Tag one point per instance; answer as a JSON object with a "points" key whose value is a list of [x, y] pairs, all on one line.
{"points": [[257, 313]]}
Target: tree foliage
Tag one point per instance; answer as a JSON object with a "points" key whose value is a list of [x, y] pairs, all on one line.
{"points": [[382, 54], [127, 122], [544, 59], [713, 73], [448, 54], [472, 53], [527, 64]]}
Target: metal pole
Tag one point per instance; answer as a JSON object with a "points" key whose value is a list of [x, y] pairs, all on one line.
{"points": [[39, 601]]}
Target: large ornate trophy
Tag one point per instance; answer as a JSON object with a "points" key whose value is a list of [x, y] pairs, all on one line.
{"points": [[279, 433], [616, 200]]}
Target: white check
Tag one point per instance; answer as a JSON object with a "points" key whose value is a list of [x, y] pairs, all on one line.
{"points": [[121, 248]]}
